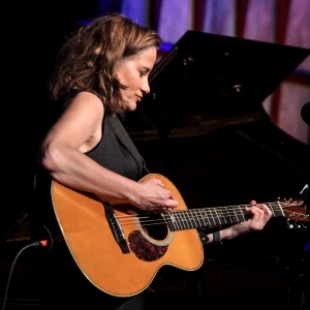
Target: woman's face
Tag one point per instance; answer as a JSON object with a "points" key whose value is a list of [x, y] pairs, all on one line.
{"points": [[133, 72]]}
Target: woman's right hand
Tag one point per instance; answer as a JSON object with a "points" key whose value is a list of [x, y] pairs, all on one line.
{"points": [[152, 196]]}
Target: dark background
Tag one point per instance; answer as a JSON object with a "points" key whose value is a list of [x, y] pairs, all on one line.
{"points": [[231, 164]]}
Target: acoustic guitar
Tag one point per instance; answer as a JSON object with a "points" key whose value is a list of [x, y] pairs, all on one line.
{"points": [[120, 249]]}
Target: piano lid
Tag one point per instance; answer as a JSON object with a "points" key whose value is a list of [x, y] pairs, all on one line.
{"points": [[206, 81]]}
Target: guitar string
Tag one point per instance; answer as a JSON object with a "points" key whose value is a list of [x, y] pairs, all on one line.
{"points": [[185, 216]]}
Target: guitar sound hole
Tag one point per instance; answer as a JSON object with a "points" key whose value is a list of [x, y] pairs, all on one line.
{"points": [[155, 226]]}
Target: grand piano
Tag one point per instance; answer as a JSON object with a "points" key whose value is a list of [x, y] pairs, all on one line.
{"points": [[204, 126]]}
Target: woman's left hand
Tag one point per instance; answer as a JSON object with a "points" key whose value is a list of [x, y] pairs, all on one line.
{"points": [[259, 215]]}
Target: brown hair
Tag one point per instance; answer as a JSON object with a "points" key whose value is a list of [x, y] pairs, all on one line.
{"points": [[88, 58]]}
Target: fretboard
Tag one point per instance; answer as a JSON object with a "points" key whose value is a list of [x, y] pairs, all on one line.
{"points": [[213, 217]]}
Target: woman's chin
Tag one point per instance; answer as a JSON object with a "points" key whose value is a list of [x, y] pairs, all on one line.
{"points": [[132, 106]]}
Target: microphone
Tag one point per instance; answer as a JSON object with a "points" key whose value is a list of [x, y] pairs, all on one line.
{"points": [[305, 113]]}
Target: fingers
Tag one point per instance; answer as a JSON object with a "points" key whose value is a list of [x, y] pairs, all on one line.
{"points": [[160, 209], [260, 215], [164, 202], [154, 197], [262, 209], [155, 181]]}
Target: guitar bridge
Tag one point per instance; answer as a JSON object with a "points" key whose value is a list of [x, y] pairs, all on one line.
{"points": [[115, 228]]}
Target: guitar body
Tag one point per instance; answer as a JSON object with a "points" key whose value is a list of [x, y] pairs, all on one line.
{"points": [[96, 251]]}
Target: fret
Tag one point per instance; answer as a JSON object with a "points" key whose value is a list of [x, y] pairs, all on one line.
{"points": [[205, 218], [188, 220], [182, 218], [276, 208], [172, 221], [201, 222]]}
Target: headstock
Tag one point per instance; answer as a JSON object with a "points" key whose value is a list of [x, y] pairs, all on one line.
{"points": [[295, 210]]}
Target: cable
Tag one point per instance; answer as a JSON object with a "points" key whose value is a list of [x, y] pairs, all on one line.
{"points": [[42, 243]]}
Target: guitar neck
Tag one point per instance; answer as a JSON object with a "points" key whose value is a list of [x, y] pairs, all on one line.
{"points": [[213, 217]]}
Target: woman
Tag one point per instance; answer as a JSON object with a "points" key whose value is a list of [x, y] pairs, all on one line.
{"points": [[102, 72]]}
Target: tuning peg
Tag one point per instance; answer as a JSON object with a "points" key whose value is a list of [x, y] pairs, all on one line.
{"points": [[289, 224], [304, 194], [297, 226], [304, 226], [304, 191]]}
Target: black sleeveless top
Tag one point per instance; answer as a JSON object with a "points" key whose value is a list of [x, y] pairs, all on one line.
{"points": [[116, 151]]}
